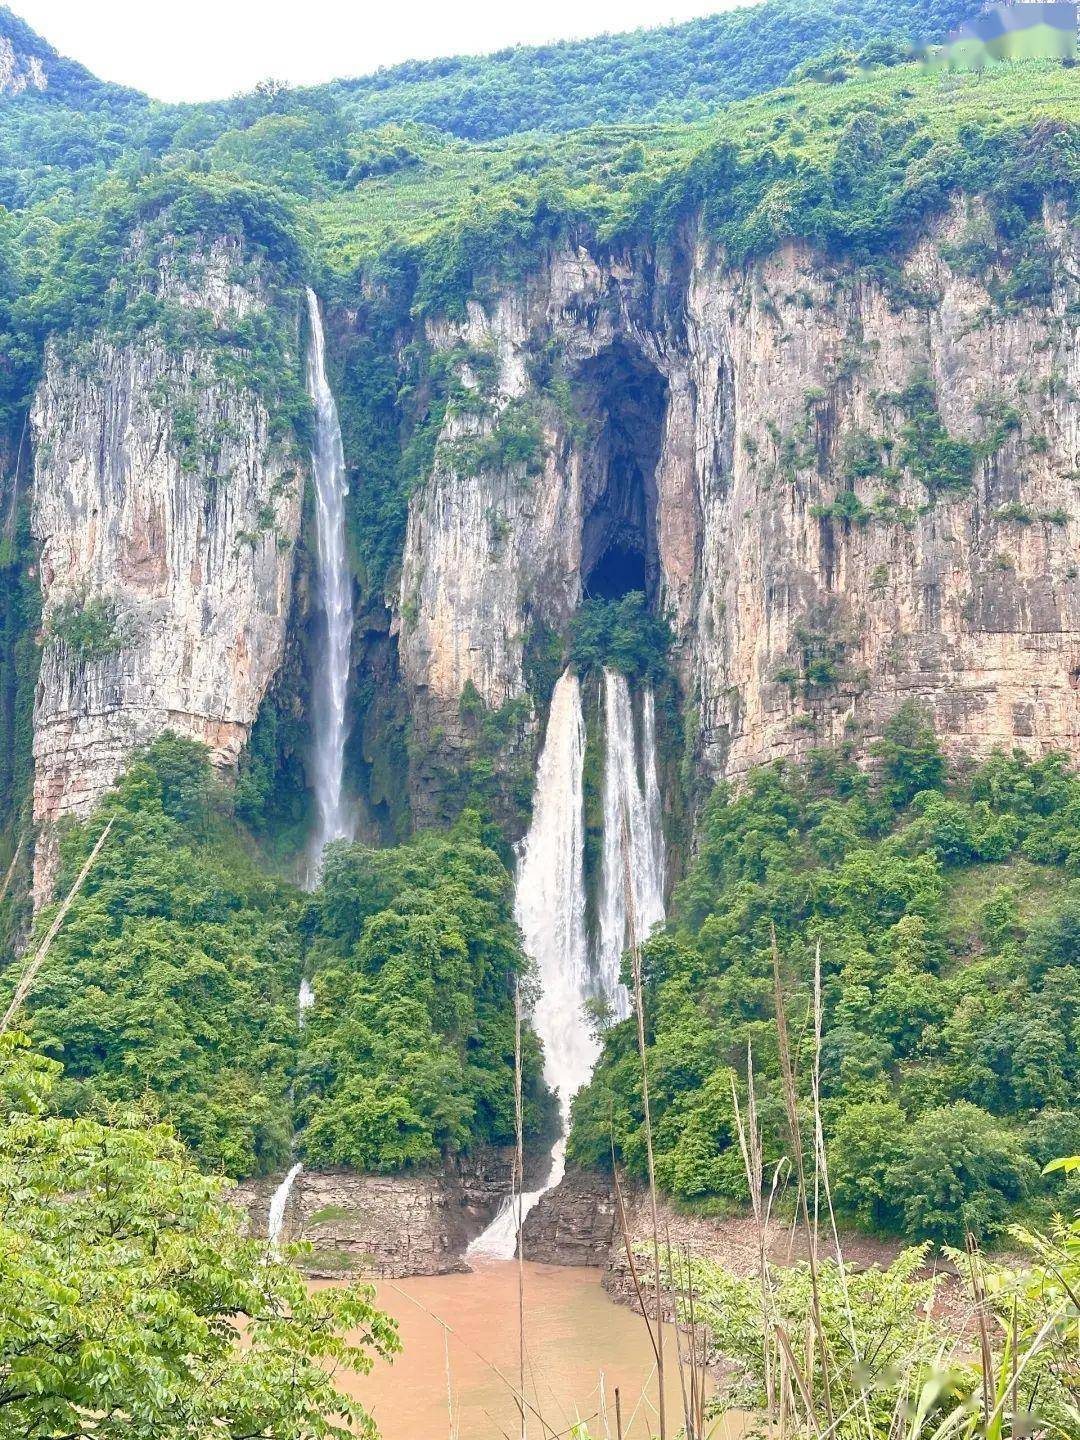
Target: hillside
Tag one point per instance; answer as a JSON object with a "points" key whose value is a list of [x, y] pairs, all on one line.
{"points": [[760, 398], [679, 72]]}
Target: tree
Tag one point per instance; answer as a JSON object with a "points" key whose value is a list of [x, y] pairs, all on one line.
{"points": [[866, 1140], [124, 1278], [912, 759], [960, 1169]]}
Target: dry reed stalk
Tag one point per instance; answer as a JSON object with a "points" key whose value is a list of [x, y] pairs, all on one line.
{"points": [[978, 1290], [697, 1371], [750, 1147], [11, 868], [31, 972], [624, 1226], [801, 1383], [821, 1170], [519, 1185], [618, 1415], [449, 1388], [688, 1422], [639, 1006], [792, 1108]]}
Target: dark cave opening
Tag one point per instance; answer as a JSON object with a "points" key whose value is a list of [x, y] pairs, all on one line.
{"points": [[617, 573], [628, 399]]}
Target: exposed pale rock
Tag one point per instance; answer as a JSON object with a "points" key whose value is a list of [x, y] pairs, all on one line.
{"points": [[968, 603], [19, 72], [185, 537], [418, 1223]]}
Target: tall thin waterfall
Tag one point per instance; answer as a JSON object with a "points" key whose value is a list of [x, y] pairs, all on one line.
{"points": [[550, 908], [334, 593], [331, 671], [631, 791]]}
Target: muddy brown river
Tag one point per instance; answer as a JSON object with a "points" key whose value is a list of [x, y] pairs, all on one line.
{"points": [[580, 1347]]}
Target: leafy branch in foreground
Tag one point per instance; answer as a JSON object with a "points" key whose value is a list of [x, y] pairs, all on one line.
{"points": [[124, 1283]]}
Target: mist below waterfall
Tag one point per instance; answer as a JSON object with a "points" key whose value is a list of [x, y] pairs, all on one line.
{"points": [[550, 902]]}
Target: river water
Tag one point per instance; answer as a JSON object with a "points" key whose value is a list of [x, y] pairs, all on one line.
{"points": [[580, 1346]]}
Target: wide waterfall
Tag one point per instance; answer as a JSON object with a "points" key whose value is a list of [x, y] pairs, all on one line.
{"points": [[632, 814], [550, 898], [331, 670], [334, 596], [550, 907]]}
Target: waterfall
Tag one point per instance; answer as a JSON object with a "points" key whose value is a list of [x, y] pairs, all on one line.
{"points": [[334, 597], [631, 789], [549, 904], [331, 672], [549, 899], [278, 1201]]}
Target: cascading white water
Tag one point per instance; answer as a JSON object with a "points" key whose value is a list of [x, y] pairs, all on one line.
{"points": [[550, 907], [550, 899], [334, 593], [632, 792], [278, 1201], [331, 671]]}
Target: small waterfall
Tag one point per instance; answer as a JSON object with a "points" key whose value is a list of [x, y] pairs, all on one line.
{"points": [[633, 791], [334, 595], [278, 1201], [331, 672], [305, 999], [550, 907]]}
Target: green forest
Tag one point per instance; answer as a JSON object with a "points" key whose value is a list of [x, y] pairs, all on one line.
{"points": [[873, 954]]}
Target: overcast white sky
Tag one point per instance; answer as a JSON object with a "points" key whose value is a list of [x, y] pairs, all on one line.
{"points": [[206, 49]]}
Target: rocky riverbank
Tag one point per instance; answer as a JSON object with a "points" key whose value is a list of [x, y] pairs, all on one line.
{"points": [[388, 1225], [577, 1224]]}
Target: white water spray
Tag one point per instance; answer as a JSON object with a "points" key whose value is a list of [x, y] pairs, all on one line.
{"points": [[278, 1201], [549, 904], [331, 680], [631, 794], [550, 900], [334, 594]]}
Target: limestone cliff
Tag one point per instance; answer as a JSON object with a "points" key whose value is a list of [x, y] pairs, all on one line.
{"points": [[166, 510], [845, 492]]}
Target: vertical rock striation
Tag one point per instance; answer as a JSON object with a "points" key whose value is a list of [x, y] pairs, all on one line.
{"points": [[844, 493], [166, 510]]}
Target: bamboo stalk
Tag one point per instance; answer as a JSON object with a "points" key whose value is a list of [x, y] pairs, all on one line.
{"points": [[639, 1006], [31, 972]]}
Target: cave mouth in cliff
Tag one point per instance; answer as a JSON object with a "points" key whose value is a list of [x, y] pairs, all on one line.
{"points": [[618, 572], [625, 398]]}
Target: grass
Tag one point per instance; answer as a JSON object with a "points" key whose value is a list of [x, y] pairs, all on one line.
{"points": [[455, 181], [1035, 888]]}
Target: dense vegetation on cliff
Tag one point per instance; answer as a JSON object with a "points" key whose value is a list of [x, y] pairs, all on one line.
{"points": [[948, 921], [174, 983], [400, 197]]}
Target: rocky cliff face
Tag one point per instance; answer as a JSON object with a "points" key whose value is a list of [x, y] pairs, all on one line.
{"points": [[410, 1224], [844, 494], [166, 513], [19, 71]]}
